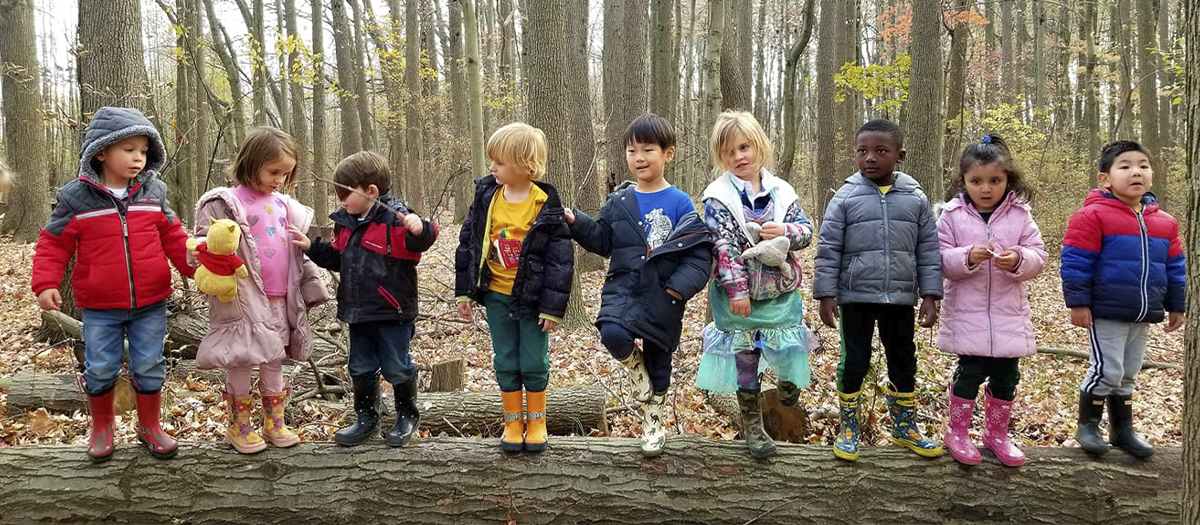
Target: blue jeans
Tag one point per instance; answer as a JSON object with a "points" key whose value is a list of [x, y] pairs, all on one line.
{"points": [[104, 335], [381, 346]]}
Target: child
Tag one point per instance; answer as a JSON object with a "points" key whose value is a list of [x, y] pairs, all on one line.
{"points": [[267, 320], [660, 254], [757, 311], [878, 252], [1122, 269], [990, 247], [116, 221], [377, 243], [515, 257]]}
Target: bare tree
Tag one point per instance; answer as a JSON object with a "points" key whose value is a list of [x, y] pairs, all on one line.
{"points": [[111, 70], [24, 129], [924, 141], [460, 162], [320, 162], [792, 113], [1190, 512], [347, 84], [474, 93], [827, 66], [412, 104], [1147, 85]]}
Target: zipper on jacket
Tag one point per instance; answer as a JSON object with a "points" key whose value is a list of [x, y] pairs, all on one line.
{"points": [[128, 258], [887, 247], [1145, 268], [987, 228]]}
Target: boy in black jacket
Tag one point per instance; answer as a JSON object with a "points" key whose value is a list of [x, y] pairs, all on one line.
{"points": [[377, 243], [660, 255]]}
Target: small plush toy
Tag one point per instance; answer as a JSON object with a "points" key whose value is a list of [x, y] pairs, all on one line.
{"points": [[220, 267], [772, 252]]}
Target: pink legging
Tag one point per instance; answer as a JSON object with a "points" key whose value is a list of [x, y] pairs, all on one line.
{"points": [[270, 377]]}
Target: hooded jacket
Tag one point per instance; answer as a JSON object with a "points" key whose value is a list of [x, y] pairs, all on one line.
{"points": [[121, 245]]}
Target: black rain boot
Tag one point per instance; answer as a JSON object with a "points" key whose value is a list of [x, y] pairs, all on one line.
{"points": [[1120, 427], [366, 394], [1091, 409], [760, 444], [407, 415]]}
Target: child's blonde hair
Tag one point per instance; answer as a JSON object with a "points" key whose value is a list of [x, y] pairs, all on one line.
{"points": [[5, 178], [263, 145], [520, 145], [728, 125]]}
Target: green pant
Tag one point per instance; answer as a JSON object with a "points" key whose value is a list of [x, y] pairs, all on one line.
{"points": [[1001, 373], [521, 348]]}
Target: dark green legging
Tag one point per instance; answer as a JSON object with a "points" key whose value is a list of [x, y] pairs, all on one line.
{"points": [[972, 371], [521, 347]]}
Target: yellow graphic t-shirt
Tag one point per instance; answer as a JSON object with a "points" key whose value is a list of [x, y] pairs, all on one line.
{"points": [[509, 221]]}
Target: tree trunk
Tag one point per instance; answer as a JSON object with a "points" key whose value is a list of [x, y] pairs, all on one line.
{"points": [[711, 95], [625, 88], [429, 47], [507, 40], [343, 42], [306, 191], [1166, 77], [760, 68], [792, 112], [237, 108], [1039, 55], [1088, 80], [579, 480], [1191, 374], [362, 70], [474, 93], [24, 128], [178, 172], [735, 86], [584, 184], [201, 141], [1008, 70], [924, 143], [1122, 28], [413, 105], [665, 89], [960, 42], [111, 71], [1147, 85], [258, 62], [460, 155], [320, 162], [828, 178]]}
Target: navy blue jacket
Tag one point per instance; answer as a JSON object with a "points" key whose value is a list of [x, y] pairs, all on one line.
{"points": [[377, 258], [635, 288], [546, 266]]}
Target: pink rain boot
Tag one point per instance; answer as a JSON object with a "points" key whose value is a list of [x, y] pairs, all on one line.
{"points": [[958, 436], [995, 431]]}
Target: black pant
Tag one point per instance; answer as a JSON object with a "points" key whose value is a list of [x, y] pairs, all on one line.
{"points": [[619, 343], [972, 370], [896, 329]]}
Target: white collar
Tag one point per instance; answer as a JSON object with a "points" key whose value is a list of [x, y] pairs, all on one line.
{"points": [[766, 182]]}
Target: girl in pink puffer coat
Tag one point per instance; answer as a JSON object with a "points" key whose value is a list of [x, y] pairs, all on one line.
{"points": [[990, 246]]}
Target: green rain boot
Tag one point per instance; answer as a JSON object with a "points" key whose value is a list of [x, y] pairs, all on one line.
{"points": [[760, 444], [903, 407]]}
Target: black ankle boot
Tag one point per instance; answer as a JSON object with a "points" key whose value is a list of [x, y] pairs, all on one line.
{"points": [[366, 394], [1120, 427], [407, 415], [1091, 409]]}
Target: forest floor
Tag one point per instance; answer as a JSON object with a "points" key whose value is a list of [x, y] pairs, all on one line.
{"points": [[1044, 415]]}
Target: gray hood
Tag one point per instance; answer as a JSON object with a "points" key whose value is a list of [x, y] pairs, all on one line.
{"points": [[112, 125]]}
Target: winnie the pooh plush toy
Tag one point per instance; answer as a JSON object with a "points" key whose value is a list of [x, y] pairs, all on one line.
{"points": [[220, 267]]}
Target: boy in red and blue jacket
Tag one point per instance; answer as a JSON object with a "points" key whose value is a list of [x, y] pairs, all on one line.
{"points": [[116, 221], [377, 243], [1123, 268]]}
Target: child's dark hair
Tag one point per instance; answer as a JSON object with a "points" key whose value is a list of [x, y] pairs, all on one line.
{"points": [[992, 149], [885, 126], [361, 170], [650, 129], [262, 146], [1112, 150]]}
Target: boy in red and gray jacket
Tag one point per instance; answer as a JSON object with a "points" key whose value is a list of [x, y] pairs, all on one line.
{"points": [[116, 221]]}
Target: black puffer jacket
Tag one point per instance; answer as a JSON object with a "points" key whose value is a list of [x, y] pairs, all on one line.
{"points": [[635, 288], [547, 264], [377, 258]]}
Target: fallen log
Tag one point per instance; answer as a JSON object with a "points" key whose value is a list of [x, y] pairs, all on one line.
{"points": [[1146, 364], [579, 480]]}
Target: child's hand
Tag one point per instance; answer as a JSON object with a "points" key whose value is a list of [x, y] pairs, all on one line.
{"points": [[299, 239], [979, 253], [1009, 260], [464, 309], [829, 314], [1081, 316], [1174, 321], [740, 307], [414, 224], [50, 299], [547, 324], [771, 230], [569, 215], [928, 315]]}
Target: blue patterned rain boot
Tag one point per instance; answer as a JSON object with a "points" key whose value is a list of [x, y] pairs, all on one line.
{"points": [[903, 407], [846, 445]]}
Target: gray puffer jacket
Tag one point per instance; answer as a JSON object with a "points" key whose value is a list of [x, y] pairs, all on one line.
{"points": [[878, 248]]}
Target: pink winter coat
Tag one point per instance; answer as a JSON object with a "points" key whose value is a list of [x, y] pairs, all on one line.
{"points": [[986, 309], [240, 332]]}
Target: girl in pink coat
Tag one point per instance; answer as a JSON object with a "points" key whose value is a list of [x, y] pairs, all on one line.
{"points": [[990, 246]]}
